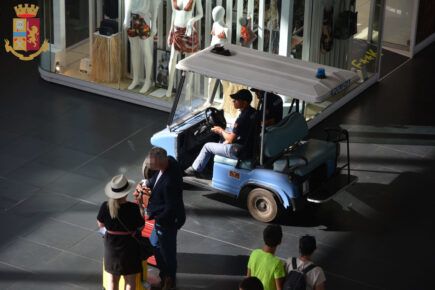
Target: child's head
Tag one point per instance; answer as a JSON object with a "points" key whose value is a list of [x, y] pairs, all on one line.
{"points": [[251, 283], [272, 235], [307, 245]]}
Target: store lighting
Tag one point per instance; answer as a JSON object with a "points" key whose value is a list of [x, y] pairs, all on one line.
{"points": [[57, 68]]}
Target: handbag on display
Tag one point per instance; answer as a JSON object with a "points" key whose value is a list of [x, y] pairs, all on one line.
{"points": [[346, 25], [108, 27]]}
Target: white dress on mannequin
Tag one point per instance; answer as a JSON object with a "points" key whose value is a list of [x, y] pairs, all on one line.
{"points": [[140, 22], [183, 37]]}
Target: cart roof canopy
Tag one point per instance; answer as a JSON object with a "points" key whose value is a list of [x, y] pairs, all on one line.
{"points": [[272, 73]]}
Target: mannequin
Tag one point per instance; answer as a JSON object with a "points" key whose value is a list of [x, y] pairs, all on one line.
{"points": [[219, 34], [183, 38], [272, 25], [219, 30], [140, 22]]}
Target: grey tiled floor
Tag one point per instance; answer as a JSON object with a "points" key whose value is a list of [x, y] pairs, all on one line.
{"points": [[59, 146]]}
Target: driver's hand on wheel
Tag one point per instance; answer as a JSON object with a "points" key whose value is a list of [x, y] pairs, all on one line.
{"points": [[217, 130]]}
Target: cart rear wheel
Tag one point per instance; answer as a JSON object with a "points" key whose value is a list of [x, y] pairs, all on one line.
{"points": [[262, 205]]}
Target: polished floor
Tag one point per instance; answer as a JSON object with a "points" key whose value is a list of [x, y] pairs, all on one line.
{"points": [[59, 146]]}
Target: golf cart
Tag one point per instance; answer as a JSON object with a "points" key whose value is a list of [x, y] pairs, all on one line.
{"points": [[286, 171]]}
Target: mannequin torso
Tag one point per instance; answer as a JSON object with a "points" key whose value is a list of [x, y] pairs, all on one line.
{"points": [[183, 38], [219, 30], [182, 12]]}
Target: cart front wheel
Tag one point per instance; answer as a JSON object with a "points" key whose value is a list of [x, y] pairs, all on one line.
{"points": [[262, 205]]}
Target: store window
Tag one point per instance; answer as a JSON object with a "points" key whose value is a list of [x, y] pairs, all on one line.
{"points": [[132, 46]]}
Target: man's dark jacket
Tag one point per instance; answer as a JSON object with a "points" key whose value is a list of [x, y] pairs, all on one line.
{"points": [[166, 204]]}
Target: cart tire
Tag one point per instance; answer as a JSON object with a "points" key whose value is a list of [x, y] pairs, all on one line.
{"points": [[262, 205]]}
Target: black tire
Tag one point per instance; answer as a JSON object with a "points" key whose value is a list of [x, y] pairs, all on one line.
{"points": [[262, 205]]}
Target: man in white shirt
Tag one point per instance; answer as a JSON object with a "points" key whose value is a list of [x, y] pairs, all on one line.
{"points": [[315, 278]]}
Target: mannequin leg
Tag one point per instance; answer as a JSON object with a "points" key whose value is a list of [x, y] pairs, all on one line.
{"points": [[147, 51], [135, 61], [171, 67]]}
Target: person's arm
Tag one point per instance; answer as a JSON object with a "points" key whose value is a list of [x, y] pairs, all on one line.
{"points": [[100, 215], [319, 286], [279, 283], [248, 273], [228, 137], [199, 14], [155, 5]]}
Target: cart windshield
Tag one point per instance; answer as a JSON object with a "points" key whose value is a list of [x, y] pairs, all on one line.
{"points": [[196, 95]]}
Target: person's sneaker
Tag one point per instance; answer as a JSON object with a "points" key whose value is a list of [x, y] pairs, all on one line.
{"points": [[190, 172]]}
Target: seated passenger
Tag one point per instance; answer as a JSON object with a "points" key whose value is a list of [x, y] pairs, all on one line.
{"points": [[274, 107], [236, 142]]}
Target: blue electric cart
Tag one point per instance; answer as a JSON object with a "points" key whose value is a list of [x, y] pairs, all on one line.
{"points": [[288, 170]]}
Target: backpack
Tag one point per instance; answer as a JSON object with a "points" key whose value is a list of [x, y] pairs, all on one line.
{"points": [[295, 279]]}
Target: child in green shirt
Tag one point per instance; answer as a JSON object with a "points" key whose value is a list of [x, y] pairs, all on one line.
{"points": [[263, 263]]}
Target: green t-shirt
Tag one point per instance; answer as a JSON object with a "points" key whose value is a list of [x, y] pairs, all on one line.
{"points": [[266, 267]]}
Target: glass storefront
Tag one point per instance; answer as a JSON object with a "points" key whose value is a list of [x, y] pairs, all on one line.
{"points": [[127, 49]]}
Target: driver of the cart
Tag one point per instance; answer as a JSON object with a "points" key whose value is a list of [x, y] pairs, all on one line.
{"points": [[236, 144]]}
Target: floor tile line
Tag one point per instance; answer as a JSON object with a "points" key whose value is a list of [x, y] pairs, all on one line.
{"points": [[72, 224], [412, 154], [250, 249], [17, 267], [61, 250], [73, 170], [108, 149]]}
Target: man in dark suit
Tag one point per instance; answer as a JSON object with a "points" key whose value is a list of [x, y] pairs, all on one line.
{"points": [[166, 207]]}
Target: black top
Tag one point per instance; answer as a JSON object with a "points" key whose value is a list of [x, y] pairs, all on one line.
{"points": [[110, 8], [244, 126], [128, 213], [166, 204], [274, 107]]}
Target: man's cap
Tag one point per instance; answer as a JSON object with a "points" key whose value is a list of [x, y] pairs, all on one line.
{"points": [[243, 94]]}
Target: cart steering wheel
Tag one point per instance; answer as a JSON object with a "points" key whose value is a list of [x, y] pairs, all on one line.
{"points": [[214, 117]]}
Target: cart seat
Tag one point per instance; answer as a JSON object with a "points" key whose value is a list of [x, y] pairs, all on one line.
{"points": [[314, 153], [243, 164], [290, 130]]}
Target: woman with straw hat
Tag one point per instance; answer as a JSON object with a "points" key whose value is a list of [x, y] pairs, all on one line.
{"points": [[121, 218]]}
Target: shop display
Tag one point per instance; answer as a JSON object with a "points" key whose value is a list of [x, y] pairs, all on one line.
{"points": [[346, 25], [111, 8], [247, 36], [140, 24], [106, 61], [272, 27], [183, 36], [117, 46], [219, 36], [162, 72], [326, 39], [219, 31]]}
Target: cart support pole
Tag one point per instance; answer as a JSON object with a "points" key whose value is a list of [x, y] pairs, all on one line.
{"points": [[177, 98], [215, 88], [263, 107]]}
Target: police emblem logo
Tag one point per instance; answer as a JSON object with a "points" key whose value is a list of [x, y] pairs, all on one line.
{"points": [[26, 33]]}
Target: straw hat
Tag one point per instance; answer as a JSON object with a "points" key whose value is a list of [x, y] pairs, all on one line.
{"points": [[119, 187]]}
